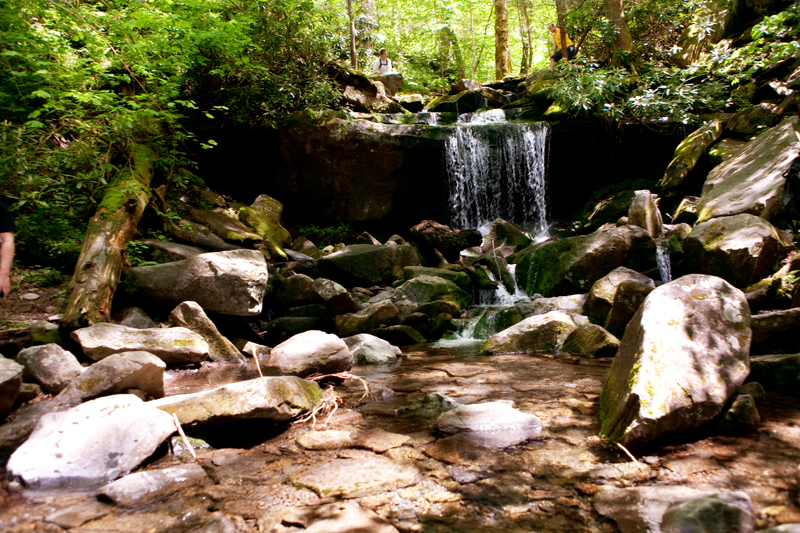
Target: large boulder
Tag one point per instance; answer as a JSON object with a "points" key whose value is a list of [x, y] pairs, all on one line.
{"points": [[294, 291], [264, 216], [116, 374], [191, 316], [645, 213], [681, 359], [591, 340], [231, 283], [572, 265], [504, 232], [687, 154], [431, 235], [459, 278], [369, 349], [607, 210], [573, 303], [174, 346], [539, 333], [423, 289], [91, 444], [752, 181], [50, 366], [741, 249], [383, 313], [225, 226], [311, 352], [270, 398], [628, 297], [367, 264], [10, 383], [601, 296], [726, 511]]}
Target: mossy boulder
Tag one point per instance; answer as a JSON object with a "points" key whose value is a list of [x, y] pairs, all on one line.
{"points": [[494, 320], [601, 296], [687, 154], [572, 304], [682, 357], [383, 313], [459, 278], [608, 209], [424, 289], [724, 149], [366, 264], [264, 216], [742, 248], [628, 297], [572, 265], [174, 346], [591, 340], [504, 232], [541, 333], [752, 181], [271, 398], [226, 227]]}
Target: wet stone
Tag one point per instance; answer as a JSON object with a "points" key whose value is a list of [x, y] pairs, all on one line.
{"points": [[379, 440], [148, 486], [467, 475], [326, 440], [461, 449], [493, 424], [353, 478], [79, 514]]}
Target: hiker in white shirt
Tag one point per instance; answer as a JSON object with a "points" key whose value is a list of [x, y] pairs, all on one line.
{"points": [[383, 65]]}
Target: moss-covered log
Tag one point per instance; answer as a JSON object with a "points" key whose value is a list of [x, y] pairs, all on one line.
{"points": [[101, 261]]}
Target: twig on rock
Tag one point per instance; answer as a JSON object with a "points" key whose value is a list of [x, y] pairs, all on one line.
{"points": [[183, 436]]}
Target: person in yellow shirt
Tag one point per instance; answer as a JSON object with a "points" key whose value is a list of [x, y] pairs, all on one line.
{"points": [[556, 36]]}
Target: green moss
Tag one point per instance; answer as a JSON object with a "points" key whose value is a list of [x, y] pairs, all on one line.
{"points": [[88, 385]]}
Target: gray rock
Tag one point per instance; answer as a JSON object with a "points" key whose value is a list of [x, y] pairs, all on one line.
{"points": [[142, 488], [232, 282], [379, 314], [591, 340], [272, 398], [115, 374], [91, 444], [309, 353], [136, 317], [14, 433], [354, 478], [174, 346], [343, 304], [366, 264], [424, 288], [169, 252], [742, 417], [640, 509], [726, 511], [573, 303], [507, 234], [628, 297], [295, 290], [332, 439], [539, 333], [765, 325], [777, 373], [572, 265], [10, 383], [645, 214], [369, 349], [601, 296], [325, 289], [752, 181], [492, 424], [191, 316], [251, 348], [283, 328], [78, 514], [681, 359], [741, 249], [50, 366], [459, 278]]}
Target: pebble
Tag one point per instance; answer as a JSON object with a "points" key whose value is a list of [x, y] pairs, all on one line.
{"points": [[29, 296]]}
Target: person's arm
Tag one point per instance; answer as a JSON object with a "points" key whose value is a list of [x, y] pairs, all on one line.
{"points": [[6, 257]]}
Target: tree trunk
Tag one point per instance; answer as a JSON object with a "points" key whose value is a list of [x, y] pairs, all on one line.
{"points": [[561, 10], [502, 56], [525, 36], [616, 14], [353, 56], [100, 264]]}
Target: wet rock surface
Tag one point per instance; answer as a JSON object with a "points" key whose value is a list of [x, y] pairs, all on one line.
{"points": [[564, 480]]}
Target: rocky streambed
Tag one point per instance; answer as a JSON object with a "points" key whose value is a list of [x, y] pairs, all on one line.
{"points": [[380, 462]]}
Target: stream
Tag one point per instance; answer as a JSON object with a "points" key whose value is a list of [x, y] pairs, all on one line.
{"points": [[545, 484]]}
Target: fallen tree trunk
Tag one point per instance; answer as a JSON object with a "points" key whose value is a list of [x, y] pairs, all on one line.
{"points": [[100, 264]]}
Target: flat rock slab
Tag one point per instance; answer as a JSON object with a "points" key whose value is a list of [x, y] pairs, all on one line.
{"points": [[152, 485], [354, 478], [174, 346], [272, 398], [640, 509], [78, 514], [91, 444], [461, 449], [337, 518]]}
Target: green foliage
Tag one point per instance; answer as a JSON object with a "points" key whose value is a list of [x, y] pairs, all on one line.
{"points": [[327, 231], [658, 92], [135, 252], [42, 276]]}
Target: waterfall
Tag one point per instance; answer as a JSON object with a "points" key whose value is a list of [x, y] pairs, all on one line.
{"points": [[662, 260], [497, 169]]}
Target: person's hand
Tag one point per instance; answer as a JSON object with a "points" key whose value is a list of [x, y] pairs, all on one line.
{"points": [[5, 285]]}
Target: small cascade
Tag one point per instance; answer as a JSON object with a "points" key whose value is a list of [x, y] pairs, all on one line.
{"points": [[497, 169], [501, 295], [662, 260]]}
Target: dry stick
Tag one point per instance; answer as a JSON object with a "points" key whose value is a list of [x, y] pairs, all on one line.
{"points": [[257, 365], [183, 436]]}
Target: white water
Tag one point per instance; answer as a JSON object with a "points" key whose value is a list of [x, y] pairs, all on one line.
{"points": [[496, 169], [662, 260]]}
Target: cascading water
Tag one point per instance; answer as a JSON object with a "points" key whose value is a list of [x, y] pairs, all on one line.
{"points": [[497, 169], [662, 260]]}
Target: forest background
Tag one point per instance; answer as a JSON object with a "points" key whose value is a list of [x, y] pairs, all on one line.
{"points": [[83, 81]]}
